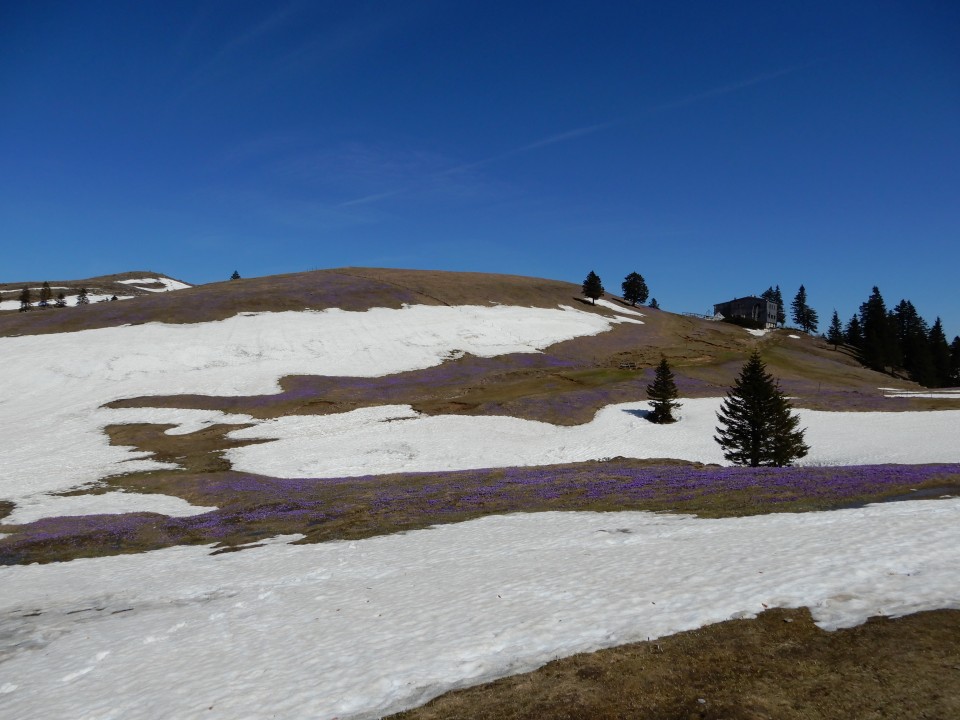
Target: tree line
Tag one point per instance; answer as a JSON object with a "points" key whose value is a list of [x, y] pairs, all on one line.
{"points": [[884, 340], [45, 296]]}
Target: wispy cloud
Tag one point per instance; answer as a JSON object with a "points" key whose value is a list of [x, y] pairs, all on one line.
{"points": [[580, 132], [726, 89], [251, 35]]}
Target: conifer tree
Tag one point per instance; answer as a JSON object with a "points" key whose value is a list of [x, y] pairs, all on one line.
{"points": [[45, 294], [912, 343], [25, 300], [781, 312], [803, 315], [635, 289], [82, 298], [654, 304], [235, 276], [757, 427], [61, 300], [774, 296], [593, 287], [835, 333], [955, 362], [878, 349], [854, 333], [940, 355], [662, 394]]}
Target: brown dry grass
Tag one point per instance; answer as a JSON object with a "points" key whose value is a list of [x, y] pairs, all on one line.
{"points": [[779, 666]]}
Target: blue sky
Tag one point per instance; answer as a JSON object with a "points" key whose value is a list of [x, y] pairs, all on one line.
{"points": [[716, 148]]}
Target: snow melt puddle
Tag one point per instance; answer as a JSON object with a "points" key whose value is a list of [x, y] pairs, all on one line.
{"points": [[361, 442], [387, 623]]}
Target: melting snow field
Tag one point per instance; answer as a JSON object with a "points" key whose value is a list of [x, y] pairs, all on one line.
{"points": [[53, 386], [366, 441], [358, 629]]}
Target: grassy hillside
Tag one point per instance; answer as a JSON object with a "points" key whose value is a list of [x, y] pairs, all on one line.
{"points": [[565, 385]]}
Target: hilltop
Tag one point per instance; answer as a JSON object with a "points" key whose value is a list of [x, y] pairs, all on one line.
{"points": [[585, 373]]}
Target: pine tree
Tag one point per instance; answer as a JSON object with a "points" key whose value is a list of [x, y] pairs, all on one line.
{"points": [[592, 287], [25, 300], [757, 427], [774, 296], [804, 315], [61, 300], [854, 333], [778, 299], [940, 355], [913, 346], [835, 333], [635, 289], [662, 393], [45, 294], [955, 362], [878, 348], [235, 276], [82, 298], [654, 304]]}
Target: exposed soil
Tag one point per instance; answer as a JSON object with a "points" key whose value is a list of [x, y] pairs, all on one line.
{"points": [[779, 666]]}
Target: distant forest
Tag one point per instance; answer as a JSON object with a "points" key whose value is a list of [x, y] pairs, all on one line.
{"points": [[897, 341]]}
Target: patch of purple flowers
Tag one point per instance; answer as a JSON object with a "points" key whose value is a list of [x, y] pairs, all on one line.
{"points": [[253, 507]]}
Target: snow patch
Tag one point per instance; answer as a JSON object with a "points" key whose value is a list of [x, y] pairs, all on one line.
{"points": [[617, 307], [944, 393], [53, 386], [167, 283], [757, 333], [387, 623], [105, 504], [360, 442]]}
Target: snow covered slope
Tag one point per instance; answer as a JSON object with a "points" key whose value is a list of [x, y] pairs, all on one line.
{"points": [[358, 629], [53, 386]]}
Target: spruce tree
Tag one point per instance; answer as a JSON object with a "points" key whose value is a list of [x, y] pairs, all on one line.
{"points": [[82, 298], [803, 315], [654, 304], [878, 349], [45, 294], [835, 333], [757, 427], [940, 355], [25, 300], [61, 300], [774, 296], [593, 287], [662, 393], [955, 362], [778, 299], [635, 289], [854, 333], [235, 276], [912, 343]]}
